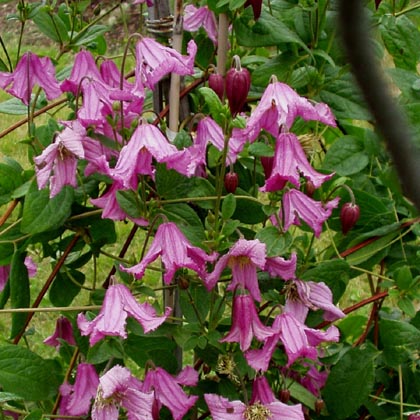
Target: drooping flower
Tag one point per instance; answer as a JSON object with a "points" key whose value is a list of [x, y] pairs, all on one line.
{"points": [[118, 304], [154, 61], [61, 158], [297, 205], [245, 323], [119, 388], [289, 164], [223, 409], [168, 390], [76, 398], [63, 332], [32, 70], [176, 252], [256, 7], [197, 17], [304, 295]]}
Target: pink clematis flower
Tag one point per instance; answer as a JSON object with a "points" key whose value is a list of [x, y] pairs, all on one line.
{"points": [[289, 164], [119, 388], [297, 205], [176, 252], [154, 61], [76, 398], [30, 71], [304, 295], [63, 332], [197, 17], [245, 323], [168, 391], [223, 409], [61, 158], [118, 304]]}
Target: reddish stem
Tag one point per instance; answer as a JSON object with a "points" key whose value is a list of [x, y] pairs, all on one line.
{"points": [[8, 212]]}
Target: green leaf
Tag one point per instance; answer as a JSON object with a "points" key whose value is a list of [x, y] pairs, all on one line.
{"points": [[89, 35], [66, 286], [20, 296], [26, 374], [407, 306], [130, 202], [42, 213], [264, 32], [277, 243], [401, 38], [10, 179], [171, 184], [400, 341], [50, 24], [236, 4], [196, 301], [216, 108], [102, 232], [346, 156], [248, 211], [353, 377], [8, 396], [280, 66], [15, 106], [36, 414], [228, 206], [403, 277], [105, 350], [259, 149]]}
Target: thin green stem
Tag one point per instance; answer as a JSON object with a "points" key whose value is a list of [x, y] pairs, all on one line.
{"points": [[9, 61], [355, 267], [416, 406]]}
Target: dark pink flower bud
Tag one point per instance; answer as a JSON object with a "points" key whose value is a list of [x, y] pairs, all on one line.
{"points": [[231, 182], [414, 416], [284, 396], [256, 7], [267, 164], [309, 188], [349, 215], [377, 3], [217, 83], [238, 82]]}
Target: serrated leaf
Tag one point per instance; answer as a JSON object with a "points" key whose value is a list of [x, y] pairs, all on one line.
{"points": [[20, 296], [228, 206], [346, 156], [26, 374], [353, 376], [42, 213]]}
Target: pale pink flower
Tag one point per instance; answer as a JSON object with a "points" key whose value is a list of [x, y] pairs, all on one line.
{"points": [[118, 304], [76, 398], [168, 390], [63, 332], [245, 323], [290, 163], [119, 388], [197, 17], [176, 252]]}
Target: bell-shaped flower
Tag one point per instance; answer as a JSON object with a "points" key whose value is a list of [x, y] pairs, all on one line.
{"points": [[297, 205], [154, 61], [31, 70], [223, 409], [118, 304], [245, 323], [61, 158], [197, 17], [168, 391], [289, 164], [119, 388], [304, 295], [280, 267], [136, 157], [63, 332], [176, 252], [76, 398], [243, 259]]}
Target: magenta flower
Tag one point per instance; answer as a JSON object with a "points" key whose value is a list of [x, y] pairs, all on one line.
{"points": [[119, 388], [63, 332], [197, 17], [118, 304], [304, 295], [176, 252], [154, 61], [245, 323], [280, 267], [61, 158], [168, 390], [223, 409], [289, 164], [297, 205], [76, 398], [30, 71], [243, 259], [146, 143]]}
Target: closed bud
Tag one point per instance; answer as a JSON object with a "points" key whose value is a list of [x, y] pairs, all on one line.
{"points": [[217, 83], [231, 182], [183, 282], [256, 7], [284, 396], [414, 416], [309, 188], [238, 82], [319, 406], [267, 164], [349, 215]]}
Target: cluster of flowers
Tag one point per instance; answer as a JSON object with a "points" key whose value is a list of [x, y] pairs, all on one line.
{"points": [[111, 105]]}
